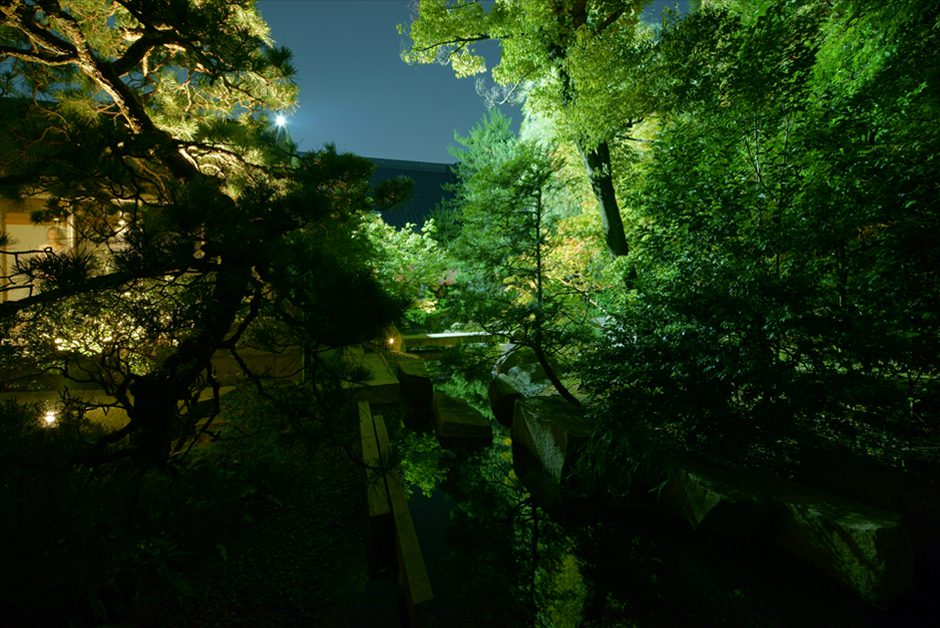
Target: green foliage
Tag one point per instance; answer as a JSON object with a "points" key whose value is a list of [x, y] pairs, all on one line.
{"points": [[409, 264], [392, 192], [472, 390], [580, 63], [507, 551], [420, 459], [564, 594], [146, 127], [577, 60], [783, 291], [511, 280], [488, 535], [193, 220]]}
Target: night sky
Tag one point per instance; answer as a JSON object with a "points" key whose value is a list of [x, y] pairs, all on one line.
{"points": [[355, 90]]}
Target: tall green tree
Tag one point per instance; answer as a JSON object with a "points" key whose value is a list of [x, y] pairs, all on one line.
{"points": [[576, 59], [508, 202], [146, 125], [786, 293]]}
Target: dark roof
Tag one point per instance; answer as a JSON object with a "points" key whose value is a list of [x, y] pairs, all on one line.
{"points": [[428, 191]]}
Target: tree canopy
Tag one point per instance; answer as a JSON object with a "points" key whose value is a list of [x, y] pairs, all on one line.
{"points": [[509, 199], [784, 291], [773, 164], [146, 126], [575, 60]]}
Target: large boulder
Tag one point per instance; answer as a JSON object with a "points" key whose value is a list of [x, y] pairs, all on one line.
{"points": [[417, 392], [460, 426], [503, 394], [907, 491], [520, 365], [717, 500], [866, 548], [547, 433]]}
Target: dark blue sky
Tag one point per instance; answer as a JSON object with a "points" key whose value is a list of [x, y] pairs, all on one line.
{"points": [[355, 90]]}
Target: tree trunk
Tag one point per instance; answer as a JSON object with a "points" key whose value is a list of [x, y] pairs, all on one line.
{"points": [[537, 346], [155, 407], [534, 566], [157, 395], [597, 162], [553, 376]]}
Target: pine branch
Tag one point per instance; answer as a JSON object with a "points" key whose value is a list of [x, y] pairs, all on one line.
{"points": [[36, 57], [101, 282]]}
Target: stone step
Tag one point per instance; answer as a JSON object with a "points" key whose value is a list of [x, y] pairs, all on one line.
{"points": [[374, 442], [547, 435], [460, 426], [414, 585], [417, 393], [380, 386], [393, 540]]}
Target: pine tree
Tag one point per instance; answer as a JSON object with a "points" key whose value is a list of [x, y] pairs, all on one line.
{"points": [[506, 208], [146, 125]]}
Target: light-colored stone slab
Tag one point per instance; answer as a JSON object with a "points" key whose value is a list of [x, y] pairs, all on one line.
{"points": [[376, 492], [866, 548], [380, 386], [413, 581], [549, 428], [460, 426], [380, 523]]}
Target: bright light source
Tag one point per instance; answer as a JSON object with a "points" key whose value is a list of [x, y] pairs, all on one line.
{"points": [[280, 120], [391, 341], [49, 418]]}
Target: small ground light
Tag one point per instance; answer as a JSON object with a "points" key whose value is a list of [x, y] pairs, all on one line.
{"points": [[391, 341], [280, 120], [49, 418]]}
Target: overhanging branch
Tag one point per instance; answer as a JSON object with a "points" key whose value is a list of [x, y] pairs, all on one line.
{"points": [[93, 284], [455, 41], [36, 57]]}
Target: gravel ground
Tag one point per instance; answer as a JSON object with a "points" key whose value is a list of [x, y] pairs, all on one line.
{"points": [[292, 566]]}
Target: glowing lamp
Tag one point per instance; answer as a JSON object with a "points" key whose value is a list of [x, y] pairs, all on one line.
{"points": [[49, 418]]}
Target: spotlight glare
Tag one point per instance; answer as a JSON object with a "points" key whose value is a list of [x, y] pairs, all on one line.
{"points": [[280, 120]]}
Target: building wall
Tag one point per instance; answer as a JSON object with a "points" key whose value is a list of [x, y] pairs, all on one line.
{"points": [[429, 191], [26, 238]]}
